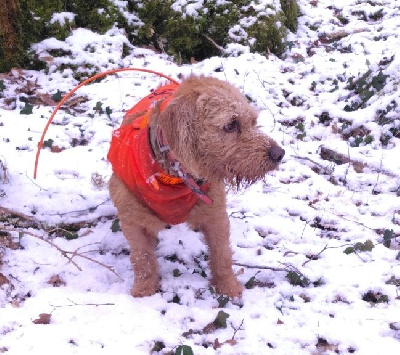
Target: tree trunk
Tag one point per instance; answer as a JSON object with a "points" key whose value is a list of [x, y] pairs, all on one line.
{"points": [[11, 51]]}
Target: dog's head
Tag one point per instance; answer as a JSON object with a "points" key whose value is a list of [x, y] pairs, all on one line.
{"points": [[212, 130]]}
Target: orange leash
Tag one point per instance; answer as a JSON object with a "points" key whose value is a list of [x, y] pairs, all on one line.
{"points": [[83, 83]]}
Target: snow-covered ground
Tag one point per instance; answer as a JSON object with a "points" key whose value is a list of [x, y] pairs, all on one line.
{"points": [[337, 190]]}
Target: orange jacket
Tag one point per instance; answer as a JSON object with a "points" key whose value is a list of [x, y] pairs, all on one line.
{"points": [[130, 156]]}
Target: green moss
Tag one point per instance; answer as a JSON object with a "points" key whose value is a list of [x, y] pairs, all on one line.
{"points": [[291, 11], [185, 36], [270, 35], [154, 14], [179, 34], [33, 24], [61, 31]]}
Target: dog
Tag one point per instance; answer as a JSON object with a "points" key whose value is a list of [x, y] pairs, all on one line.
{"points": [[173, 156]]}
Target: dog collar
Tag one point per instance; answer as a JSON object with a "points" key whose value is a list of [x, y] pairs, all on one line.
{"points": [[179, 169]]}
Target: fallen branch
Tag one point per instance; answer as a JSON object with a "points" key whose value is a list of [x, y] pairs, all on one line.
{"points": [[339, 159], [321, 169], [74, 304], [14, 219], [261, 267], [69, 255]]}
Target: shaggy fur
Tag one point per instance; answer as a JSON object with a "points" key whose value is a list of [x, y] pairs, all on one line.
{"points": [[211, 130]]}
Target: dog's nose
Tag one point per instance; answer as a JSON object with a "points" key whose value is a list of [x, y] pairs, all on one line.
{"points": [[276, 153]]}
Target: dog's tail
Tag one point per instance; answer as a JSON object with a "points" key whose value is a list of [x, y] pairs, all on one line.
{"points": [[83, 83]]}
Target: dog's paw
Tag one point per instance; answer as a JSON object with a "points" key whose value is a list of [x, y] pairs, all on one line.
{"points": [[230, 287], [143, 288]]}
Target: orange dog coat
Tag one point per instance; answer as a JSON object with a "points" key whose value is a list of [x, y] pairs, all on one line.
{"points": [[132, 161]]}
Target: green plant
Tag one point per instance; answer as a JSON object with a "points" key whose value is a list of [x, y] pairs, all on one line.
{"points": [[387, 237], [216, 24], [222, 301], [220, 320], [158, 346], [393, 281], [184, 350], [301, 128], [296, 278], [27, 110], [365, 87], [57, 96], [358, 140], [368, 245], [291, 11], [115, 226], [375, 297]]}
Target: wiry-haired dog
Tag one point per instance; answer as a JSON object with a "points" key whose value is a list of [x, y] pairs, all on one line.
{"points": [[172, 157]]}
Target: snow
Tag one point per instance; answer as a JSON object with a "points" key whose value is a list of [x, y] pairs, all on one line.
{"points": [[61, 17], [301, 218]]}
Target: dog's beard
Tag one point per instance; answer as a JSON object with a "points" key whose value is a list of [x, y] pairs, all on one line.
{"points": [[239, 181]]}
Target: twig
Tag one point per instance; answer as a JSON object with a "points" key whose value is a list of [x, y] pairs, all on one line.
{"points": [[4, 172], [82, 304], [262, 101], [237, 329], [350, 220], [69, 255], [378, 175], [316, 255], [261, 267], [324, 168], [221, 49], [84, 211], [348, 165]]}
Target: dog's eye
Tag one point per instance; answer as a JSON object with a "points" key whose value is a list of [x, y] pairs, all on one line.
{"points": [[232, 126]]}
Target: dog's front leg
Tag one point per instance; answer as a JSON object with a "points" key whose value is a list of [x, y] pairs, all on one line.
{"points": [[216, 234], [140, 228], [144, 260]]}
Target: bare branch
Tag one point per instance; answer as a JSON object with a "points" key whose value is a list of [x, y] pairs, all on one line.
{"points": [[221, 49], [69, 255], [261, 267]]}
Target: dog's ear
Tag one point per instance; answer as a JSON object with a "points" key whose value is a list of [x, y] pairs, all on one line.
{"points": [[179, 122]]}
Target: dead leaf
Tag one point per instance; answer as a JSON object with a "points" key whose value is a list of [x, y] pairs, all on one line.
{"points": [[4, 280], [7, 241], [323, 346], [216, 344], [44, 318], [231, 342], [47, 99], [56, 149], [240, 272], [47, 58], [56, 281], [279, 321], [209, 328], [75, 101]]}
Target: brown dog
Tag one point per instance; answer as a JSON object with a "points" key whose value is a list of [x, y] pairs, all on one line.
{"points": [[171, 163]]}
